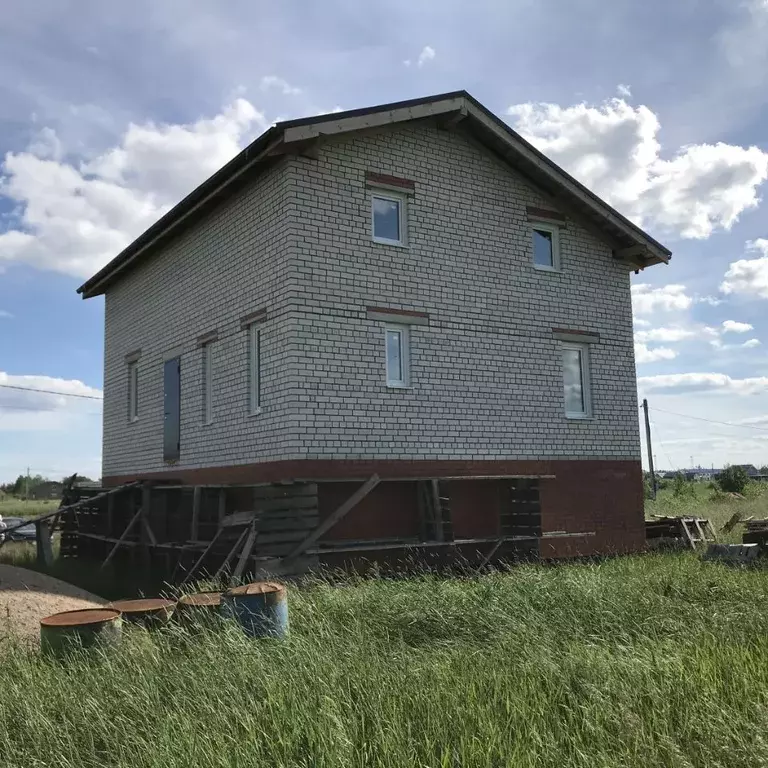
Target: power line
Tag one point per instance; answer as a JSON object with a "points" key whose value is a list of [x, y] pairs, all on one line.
{"points": [[711, 421], [51, 392]]}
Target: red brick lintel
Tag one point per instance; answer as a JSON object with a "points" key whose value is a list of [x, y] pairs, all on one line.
{"points": [[544, 213], [385, 180]]}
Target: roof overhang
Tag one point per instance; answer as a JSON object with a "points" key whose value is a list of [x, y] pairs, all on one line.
{"points": [[458, 110]]}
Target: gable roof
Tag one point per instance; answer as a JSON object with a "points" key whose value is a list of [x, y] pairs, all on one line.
{"points": [[630, 243]]}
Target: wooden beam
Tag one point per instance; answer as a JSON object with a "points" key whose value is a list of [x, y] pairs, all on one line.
{"points": [[201, 558], [231, 554], [44, 548], [238, 518], [245, 554], [196, 497], [148, 530], [335, 516], [222, 504], [127, 530]]}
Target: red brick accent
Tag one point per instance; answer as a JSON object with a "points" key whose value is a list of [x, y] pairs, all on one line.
{"points": [[543, 213], [590, 496], [387, 311], [391, 181]]}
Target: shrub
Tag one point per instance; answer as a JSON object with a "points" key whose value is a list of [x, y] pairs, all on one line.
{"points": [[682, 488], [733, 479]]}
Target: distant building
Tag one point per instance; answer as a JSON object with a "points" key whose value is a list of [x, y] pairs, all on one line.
{"points": [[50, 489]]}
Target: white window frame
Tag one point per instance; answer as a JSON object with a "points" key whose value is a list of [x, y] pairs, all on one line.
{"points": [[586, 383], [254, 369], [402, 201], [133, 391], [207, 380], [554, 230], [405, 354]]}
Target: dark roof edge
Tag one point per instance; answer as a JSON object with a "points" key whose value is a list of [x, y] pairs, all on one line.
{"points": [[222, 177]]}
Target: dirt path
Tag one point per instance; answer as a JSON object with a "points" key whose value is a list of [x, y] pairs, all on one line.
{"points": [[28, 596]]}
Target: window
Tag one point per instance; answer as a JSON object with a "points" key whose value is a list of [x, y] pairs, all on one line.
{"points": [[388, 215], [397, 354], [133, 391], [172, 409], [546, 247], [254, 369], [576, 381], [207, 371]]}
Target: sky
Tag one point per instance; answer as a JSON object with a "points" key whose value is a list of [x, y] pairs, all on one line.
{"points": [[110, 113]]}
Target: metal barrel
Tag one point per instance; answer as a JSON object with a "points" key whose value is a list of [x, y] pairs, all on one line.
{"points": [[200, 609], [65, 632], [148, 612], [261, 608]]}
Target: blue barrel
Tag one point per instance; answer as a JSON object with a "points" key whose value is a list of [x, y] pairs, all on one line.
{"points": [[261, 608]]}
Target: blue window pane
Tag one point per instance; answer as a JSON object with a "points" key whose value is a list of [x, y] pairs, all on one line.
{"points": [[394, 357], [542, 248], [386, 219]]}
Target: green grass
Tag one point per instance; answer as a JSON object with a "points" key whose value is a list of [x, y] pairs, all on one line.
{"points": [[658, 660], [699, 500], [11, 507]]}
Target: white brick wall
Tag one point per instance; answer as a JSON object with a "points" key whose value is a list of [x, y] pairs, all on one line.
{"points": [[485, 374]]}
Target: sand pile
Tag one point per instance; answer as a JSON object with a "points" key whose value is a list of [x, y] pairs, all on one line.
{"points": [[27, 596]]}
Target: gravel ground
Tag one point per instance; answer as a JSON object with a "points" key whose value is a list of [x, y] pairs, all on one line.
{"points": [[27, 596]]}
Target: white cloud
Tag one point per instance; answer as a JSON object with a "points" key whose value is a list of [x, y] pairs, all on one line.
{"points": [[614, 150], [23, 409], [6, 314], [407, 62], [712, 301], [273, 82], [74, 218], [641, 322], [749, 277], [624, 91], [427, 54], [664, 335], [751, 344], [645, 355], [733, 326], [647, 300], [714, 382]]}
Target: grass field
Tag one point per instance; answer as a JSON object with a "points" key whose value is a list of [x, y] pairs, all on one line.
{"points": [[11, 507], [655, 660]]}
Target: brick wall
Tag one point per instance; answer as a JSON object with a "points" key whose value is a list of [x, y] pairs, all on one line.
{"points": [[486, 372]]}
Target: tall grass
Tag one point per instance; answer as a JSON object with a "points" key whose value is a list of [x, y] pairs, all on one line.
{"points": [[12, 507], [642, 661]]}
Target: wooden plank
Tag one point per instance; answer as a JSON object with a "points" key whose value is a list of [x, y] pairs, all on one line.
{"points": [[195, 523], [201, 558], [245, 554], [487, 559], [287, 504], [289, 524], [148, 530], [238, 518], [225, 565], [285, 491], [437, 509], [127, 530], [110, 515], [281, 537], [222, 504], [337, 515], [44, 546]]}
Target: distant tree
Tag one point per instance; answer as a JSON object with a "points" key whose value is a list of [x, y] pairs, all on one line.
{"points": [[764, 469], [682, 488], [733, 479]]}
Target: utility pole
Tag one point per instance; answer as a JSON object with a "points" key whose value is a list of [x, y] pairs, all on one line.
{"points": [[26, 486], [648, 445]]}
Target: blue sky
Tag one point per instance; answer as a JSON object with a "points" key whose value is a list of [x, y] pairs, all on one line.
{"points": [[110, 113]]}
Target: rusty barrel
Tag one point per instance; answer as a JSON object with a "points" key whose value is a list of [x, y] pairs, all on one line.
{"points": [[261, 608], [148, 612], [200, 608], [85, 628]]}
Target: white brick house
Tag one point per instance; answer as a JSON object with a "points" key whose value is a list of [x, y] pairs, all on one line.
{"points": [[411, 290]]}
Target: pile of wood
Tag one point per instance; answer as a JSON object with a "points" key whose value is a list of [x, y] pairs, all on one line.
{"points": [[680, 532], [756, 532]]}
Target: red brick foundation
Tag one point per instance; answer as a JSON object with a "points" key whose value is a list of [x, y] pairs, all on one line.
{"points": [[590, 496]]}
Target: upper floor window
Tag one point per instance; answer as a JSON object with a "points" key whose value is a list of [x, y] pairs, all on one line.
{"points": [[397, 355], [546, 246], [133, 390], [576, 382], [388, 218]]}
